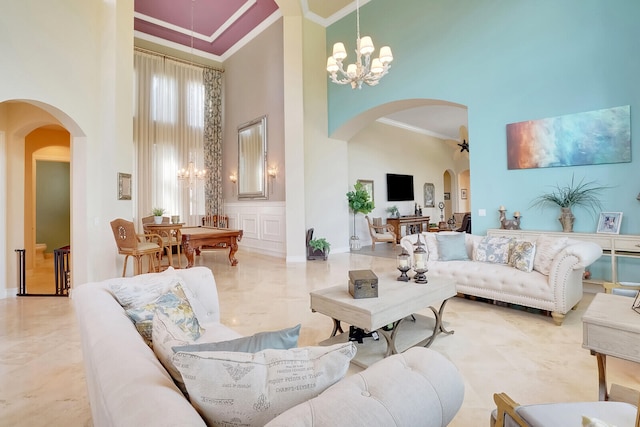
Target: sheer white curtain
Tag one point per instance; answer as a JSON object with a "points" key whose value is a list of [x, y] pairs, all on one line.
{"points": [[168, 129]]}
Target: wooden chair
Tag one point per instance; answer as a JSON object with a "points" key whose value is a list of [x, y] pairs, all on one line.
{"points": [[137, 246], [170, 238], [562, 414], [380, 232], [218, 221]]}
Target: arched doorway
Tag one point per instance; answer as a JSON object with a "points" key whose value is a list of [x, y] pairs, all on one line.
{"points": [[31, 132]]}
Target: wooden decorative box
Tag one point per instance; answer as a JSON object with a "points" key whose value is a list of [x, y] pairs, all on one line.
{"points": [[363, 284]]}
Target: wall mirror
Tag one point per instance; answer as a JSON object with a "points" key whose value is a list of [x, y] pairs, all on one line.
{"points": [[252, 159]]}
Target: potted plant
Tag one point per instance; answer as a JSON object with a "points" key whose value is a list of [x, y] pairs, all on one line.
{"points": [[317, 248], [359, 202], [157, 215], [393, 211], [584, 194]]}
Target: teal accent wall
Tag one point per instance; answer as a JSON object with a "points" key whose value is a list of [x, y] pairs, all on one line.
{"points": [[53, 218], [508, 61]]}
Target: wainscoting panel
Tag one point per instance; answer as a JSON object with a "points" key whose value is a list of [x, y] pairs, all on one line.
{"points": [[262, 224]]}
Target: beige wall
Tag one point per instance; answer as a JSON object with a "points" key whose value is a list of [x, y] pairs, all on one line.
{"points": [[78, 68]]}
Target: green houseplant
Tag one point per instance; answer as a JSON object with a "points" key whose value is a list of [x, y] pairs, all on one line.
{"points": [[359, 202], [317, 248], [585, 194], [393, 211], [157, 213]]}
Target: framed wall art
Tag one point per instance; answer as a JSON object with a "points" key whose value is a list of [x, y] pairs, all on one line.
{"points": [[124, 186], [463, 193], [429, 195], [367, 184], [609, 222], [447, 196]]}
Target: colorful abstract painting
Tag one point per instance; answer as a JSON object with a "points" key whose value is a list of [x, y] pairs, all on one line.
{"points": [[591, 138]]}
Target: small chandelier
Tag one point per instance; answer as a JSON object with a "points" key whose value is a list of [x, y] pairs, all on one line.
{"points": [[365, 70], [191, 174]]}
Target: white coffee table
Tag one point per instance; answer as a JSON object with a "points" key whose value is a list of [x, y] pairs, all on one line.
{"points": [[396, 303]]}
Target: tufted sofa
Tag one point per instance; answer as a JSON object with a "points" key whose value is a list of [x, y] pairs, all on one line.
{"points": [[557, 289], [128, 385]]}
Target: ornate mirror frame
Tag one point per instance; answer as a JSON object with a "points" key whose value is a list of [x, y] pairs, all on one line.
{"points": [[252, 159]]}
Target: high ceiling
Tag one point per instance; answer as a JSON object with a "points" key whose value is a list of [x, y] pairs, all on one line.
{"points": [[215, 29]]}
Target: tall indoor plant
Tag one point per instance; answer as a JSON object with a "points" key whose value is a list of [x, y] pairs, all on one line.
{"points": [[359, 202], [584, 194]]}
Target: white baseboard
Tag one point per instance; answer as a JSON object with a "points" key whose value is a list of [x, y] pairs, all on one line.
{"points": [[8, 293]]}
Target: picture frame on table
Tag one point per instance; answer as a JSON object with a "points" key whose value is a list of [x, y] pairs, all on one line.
{"points": [[609, 222], [367, 184], [463, 193], [124, 186]]}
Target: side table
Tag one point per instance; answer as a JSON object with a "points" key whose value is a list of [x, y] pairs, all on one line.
{"points": [[611, 328]]}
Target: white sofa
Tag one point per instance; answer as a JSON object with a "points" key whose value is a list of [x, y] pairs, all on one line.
{"points": [[556, 292], [128, 386]]}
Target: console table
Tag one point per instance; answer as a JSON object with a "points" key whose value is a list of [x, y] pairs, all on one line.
{"points": [[613, 245], [413, 224], [610, 327]]}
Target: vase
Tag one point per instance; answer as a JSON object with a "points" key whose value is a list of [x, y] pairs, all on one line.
{"points": [[354, 243], [566, 219]]}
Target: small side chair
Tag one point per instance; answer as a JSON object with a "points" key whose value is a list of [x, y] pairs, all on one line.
{"points": [[380, 232], [131, 244]]}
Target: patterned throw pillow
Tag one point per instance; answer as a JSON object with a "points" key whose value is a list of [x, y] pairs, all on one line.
{"points": [[493, 249], [133, 292], [251, 389], [547, 247], [175, 305], [522, 255]]}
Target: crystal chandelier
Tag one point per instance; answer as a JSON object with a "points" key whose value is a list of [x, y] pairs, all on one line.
{"points": [[365, 70], [191, 174]]}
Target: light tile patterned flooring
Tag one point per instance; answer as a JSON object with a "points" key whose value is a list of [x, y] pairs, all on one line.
{"points": [[495, 348]]}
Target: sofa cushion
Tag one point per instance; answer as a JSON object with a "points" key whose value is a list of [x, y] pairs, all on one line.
{"points": [[547, 247], [250, 389], [166, 335], [522, 254], [175, 305], [493, 249], [283, 339], [451, 247], [133, 292]]}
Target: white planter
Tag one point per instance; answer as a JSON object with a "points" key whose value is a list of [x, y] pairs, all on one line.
{"points": [[157, 219]]}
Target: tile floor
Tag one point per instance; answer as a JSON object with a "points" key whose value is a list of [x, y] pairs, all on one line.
{"points": [[495, 348]]}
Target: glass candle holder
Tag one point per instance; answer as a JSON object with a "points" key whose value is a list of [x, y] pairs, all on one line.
{"points": [[420, 258], [403, 262]]}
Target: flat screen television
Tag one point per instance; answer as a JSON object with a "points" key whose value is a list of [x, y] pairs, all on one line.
{"points": [[399, 187]]}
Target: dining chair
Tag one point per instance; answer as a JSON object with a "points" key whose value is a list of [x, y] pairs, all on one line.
{"points": [[214, 220], [131, 244], [171, 237]]}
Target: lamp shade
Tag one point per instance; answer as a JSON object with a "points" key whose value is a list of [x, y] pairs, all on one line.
{"points": [[332, 66], [339, 52], [385, 55], [376, 66], [366, 45], [352, 70]]}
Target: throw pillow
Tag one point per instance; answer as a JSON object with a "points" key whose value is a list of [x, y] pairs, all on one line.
{"points": [[132, 292], [175, 305], [283, 339], [250, 389], [547, 247], [166, 335], [451, 247], [522, 255], [594, 422], [493, 249]]}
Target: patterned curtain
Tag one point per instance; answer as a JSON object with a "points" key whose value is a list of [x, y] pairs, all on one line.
{"points": [[213, 141]]}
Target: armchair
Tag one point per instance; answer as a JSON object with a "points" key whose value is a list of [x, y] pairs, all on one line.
{"points": [[380, 232], [511, 414]]}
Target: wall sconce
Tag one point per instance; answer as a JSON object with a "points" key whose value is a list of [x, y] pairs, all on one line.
{"points": [[233, 178], [272, 171]]}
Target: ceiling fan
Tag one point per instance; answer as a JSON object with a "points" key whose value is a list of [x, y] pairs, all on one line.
{"points": [[461, 145]]}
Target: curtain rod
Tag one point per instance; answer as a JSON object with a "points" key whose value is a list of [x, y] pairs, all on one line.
{"points": [[173, 58]]}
